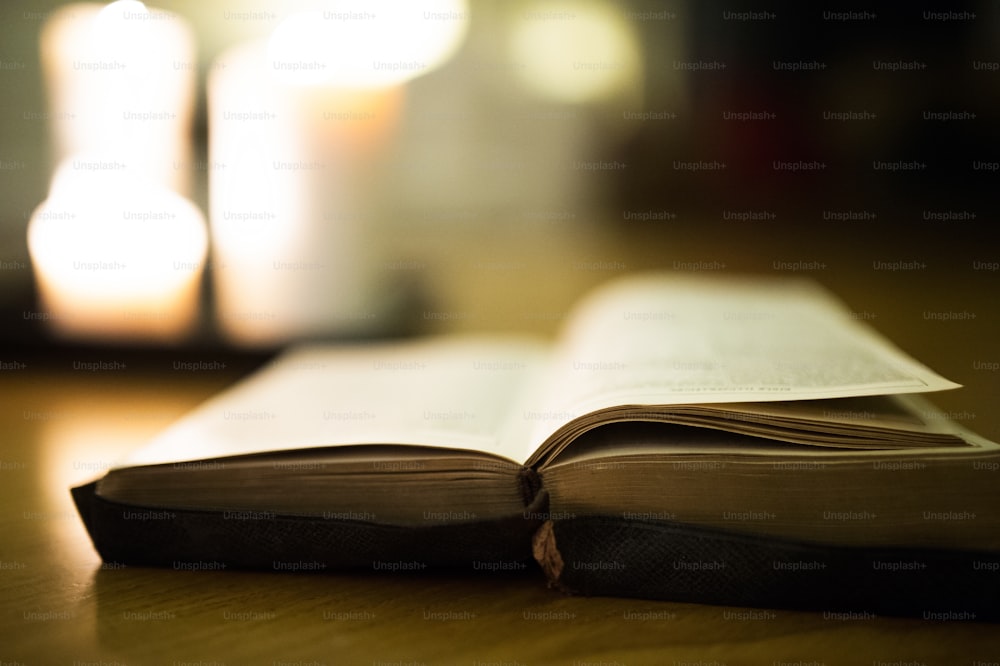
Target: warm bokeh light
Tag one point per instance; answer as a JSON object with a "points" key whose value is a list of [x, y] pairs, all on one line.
{"points": [[299, 126], [120, 80], [577, 52], [116, 255], [358, 44], [291, 186], [109, 25]]}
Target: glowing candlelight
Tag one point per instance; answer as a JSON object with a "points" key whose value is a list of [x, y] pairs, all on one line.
{"points": [[593, 57], [115, 255], [298, 127], [120, 81]]}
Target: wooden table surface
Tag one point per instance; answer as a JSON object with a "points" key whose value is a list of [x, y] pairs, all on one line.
{"points": [[62, 425]]}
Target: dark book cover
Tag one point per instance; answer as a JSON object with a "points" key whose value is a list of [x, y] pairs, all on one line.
{"points": [[183, 538], [587, 555], [611, 556]]}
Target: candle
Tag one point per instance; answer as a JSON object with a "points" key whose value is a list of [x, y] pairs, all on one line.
{"points": [[120, 80], [288, 194], [115, 255], [299, 126]]}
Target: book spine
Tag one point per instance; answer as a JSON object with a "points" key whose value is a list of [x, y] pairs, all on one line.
{"points": [[530, 484]]}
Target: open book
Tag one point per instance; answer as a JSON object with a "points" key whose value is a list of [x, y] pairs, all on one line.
{"points": [[671, 417]]}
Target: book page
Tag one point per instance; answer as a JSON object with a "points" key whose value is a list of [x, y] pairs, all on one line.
{"points": [[862, 424], [661, 339], [451, 392]]}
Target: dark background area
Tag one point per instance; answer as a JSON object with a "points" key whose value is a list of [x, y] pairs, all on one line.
{"points": [[800, 186]]}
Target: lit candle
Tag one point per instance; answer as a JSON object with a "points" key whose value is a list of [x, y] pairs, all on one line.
{"points": [[116, 256], [120, 80], [298, 125]]}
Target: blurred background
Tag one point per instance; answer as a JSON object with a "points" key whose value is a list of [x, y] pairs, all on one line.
{"points": [[534, 149]]}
